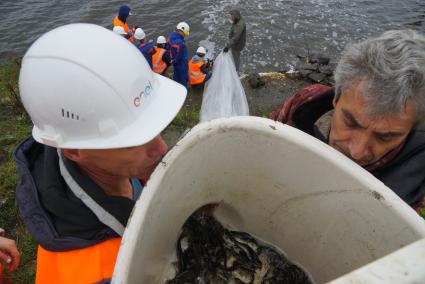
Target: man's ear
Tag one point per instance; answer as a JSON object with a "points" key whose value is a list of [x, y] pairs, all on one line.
{"points": [[334, 101], [72, 154]]}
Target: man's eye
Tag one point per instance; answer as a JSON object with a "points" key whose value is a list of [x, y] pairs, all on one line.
{"points": [[350, 124], [384, 138]]}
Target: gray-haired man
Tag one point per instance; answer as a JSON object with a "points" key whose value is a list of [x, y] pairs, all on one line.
{"points": [[378, 110]]}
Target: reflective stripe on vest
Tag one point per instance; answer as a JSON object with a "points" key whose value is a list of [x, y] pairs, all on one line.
{"points": [[195, 74], [104, 216], [158, 65], [177, 47], [93, 264]]}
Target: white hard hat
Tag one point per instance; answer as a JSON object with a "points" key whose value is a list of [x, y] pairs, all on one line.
{"points": [[139, 34], [119, 30], [161, 40], [184, 27], [80, 96], [201, 50]]}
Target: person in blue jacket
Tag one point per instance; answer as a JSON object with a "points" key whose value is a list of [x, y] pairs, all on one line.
{"points": [[178, 53], [146, 48]]}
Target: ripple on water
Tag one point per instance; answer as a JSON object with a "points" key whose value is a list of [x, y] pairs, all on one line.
{"points": [[277, 29]]}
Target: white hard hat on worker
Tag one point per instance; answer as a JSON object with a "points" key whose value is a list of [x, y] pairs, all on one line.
{"points": [[161, 40], [184, 27], [201, 50], [139, 34], [119, 30], [80, 96]]}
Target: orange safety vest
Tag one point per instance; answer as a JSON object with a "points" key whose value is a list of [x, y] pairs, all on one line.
{"points": [[196, 76], [158, 65], [93, 264], [118, 22]]}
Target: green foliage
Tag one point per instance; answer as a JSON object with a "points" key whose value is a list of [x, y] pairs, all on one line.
{"points": [[422, 212], [186, 118], [14, 126], [9, 93]]}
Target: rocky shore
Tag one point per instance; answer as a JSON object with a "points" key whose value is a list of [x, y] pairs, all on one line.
{"points": [[264, 91]]}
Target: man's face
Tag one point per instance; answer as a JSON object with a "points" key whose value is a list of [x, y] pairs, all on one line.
{"points": [[361, 138], [138, 161], [231, 18]]}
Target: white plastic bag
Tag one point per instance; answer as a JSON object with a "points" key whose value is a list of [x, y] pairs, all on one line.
{"points": [[223, 95]]}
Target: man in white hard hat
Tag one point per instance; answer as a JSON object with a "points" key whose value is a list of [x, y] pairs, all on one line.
{"points": [[160, 60], [96, 136], [199, 68], [145, 47], [178, 53]]}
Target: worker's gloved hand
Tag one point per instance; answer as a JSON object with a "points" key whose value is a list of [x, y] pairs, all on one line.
{"points": [[225, 49]]}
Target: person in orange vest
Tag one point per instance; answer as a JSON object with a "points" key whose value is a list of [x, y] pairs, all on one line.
{"points": [[160, 60], [121, 20], [9, 255], [145, 47], [92, 148], [199, 68]]}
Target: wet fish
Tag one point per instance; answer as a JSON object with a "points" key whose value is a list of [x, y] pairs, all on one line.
{"points": [[208, 253]]}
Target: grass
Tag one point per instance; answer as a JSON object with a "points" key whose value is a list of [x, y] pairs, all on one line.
{"points": [[186, 118], [421, 211], [14, 126]]}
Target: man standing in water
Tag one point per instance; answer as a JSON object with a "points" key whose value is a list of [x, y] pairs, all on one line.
{"points": [[237, 36]]}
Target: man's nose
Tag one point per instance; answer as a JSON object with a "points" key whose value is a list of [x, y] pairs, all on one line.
{"points": [[157, 147], [359, 147]]}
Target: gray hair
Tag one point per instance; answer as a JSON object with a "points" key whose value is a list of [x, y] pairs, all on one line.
{"points": [[391, 69]]}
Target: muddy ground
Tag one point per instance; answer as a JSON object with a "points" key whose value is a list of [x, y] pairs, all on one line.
{"points": [[261, 100]]}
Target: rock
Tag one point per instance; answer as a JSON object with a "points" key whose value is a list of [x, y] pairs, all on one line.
{"points": [[313, 58], [321, 60], [317, 77], [255, 81], [333, 65], [304, 73], [307, 66], [302, 58], [327, 70], [294, 75]]}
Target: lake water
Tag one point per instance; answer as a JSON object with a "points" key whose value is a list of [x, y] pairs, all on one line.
{"points": [[277, 30]]}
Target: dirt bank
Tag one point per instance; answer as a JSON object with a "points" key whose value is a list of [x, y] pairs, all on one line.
{"points": [[262, 100]]}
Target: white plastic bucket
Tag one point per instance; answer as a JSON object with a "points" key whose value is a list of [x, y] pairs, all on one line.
{"points": [[275, 182]]}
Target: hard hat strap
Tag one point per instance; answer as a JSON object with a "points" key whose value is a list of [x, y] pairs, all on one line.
{"points": [[104, 216]]}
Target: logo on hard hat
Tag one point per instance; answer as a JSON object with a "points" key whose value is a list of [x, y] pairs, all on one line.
{"points": [[144, 93]]}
